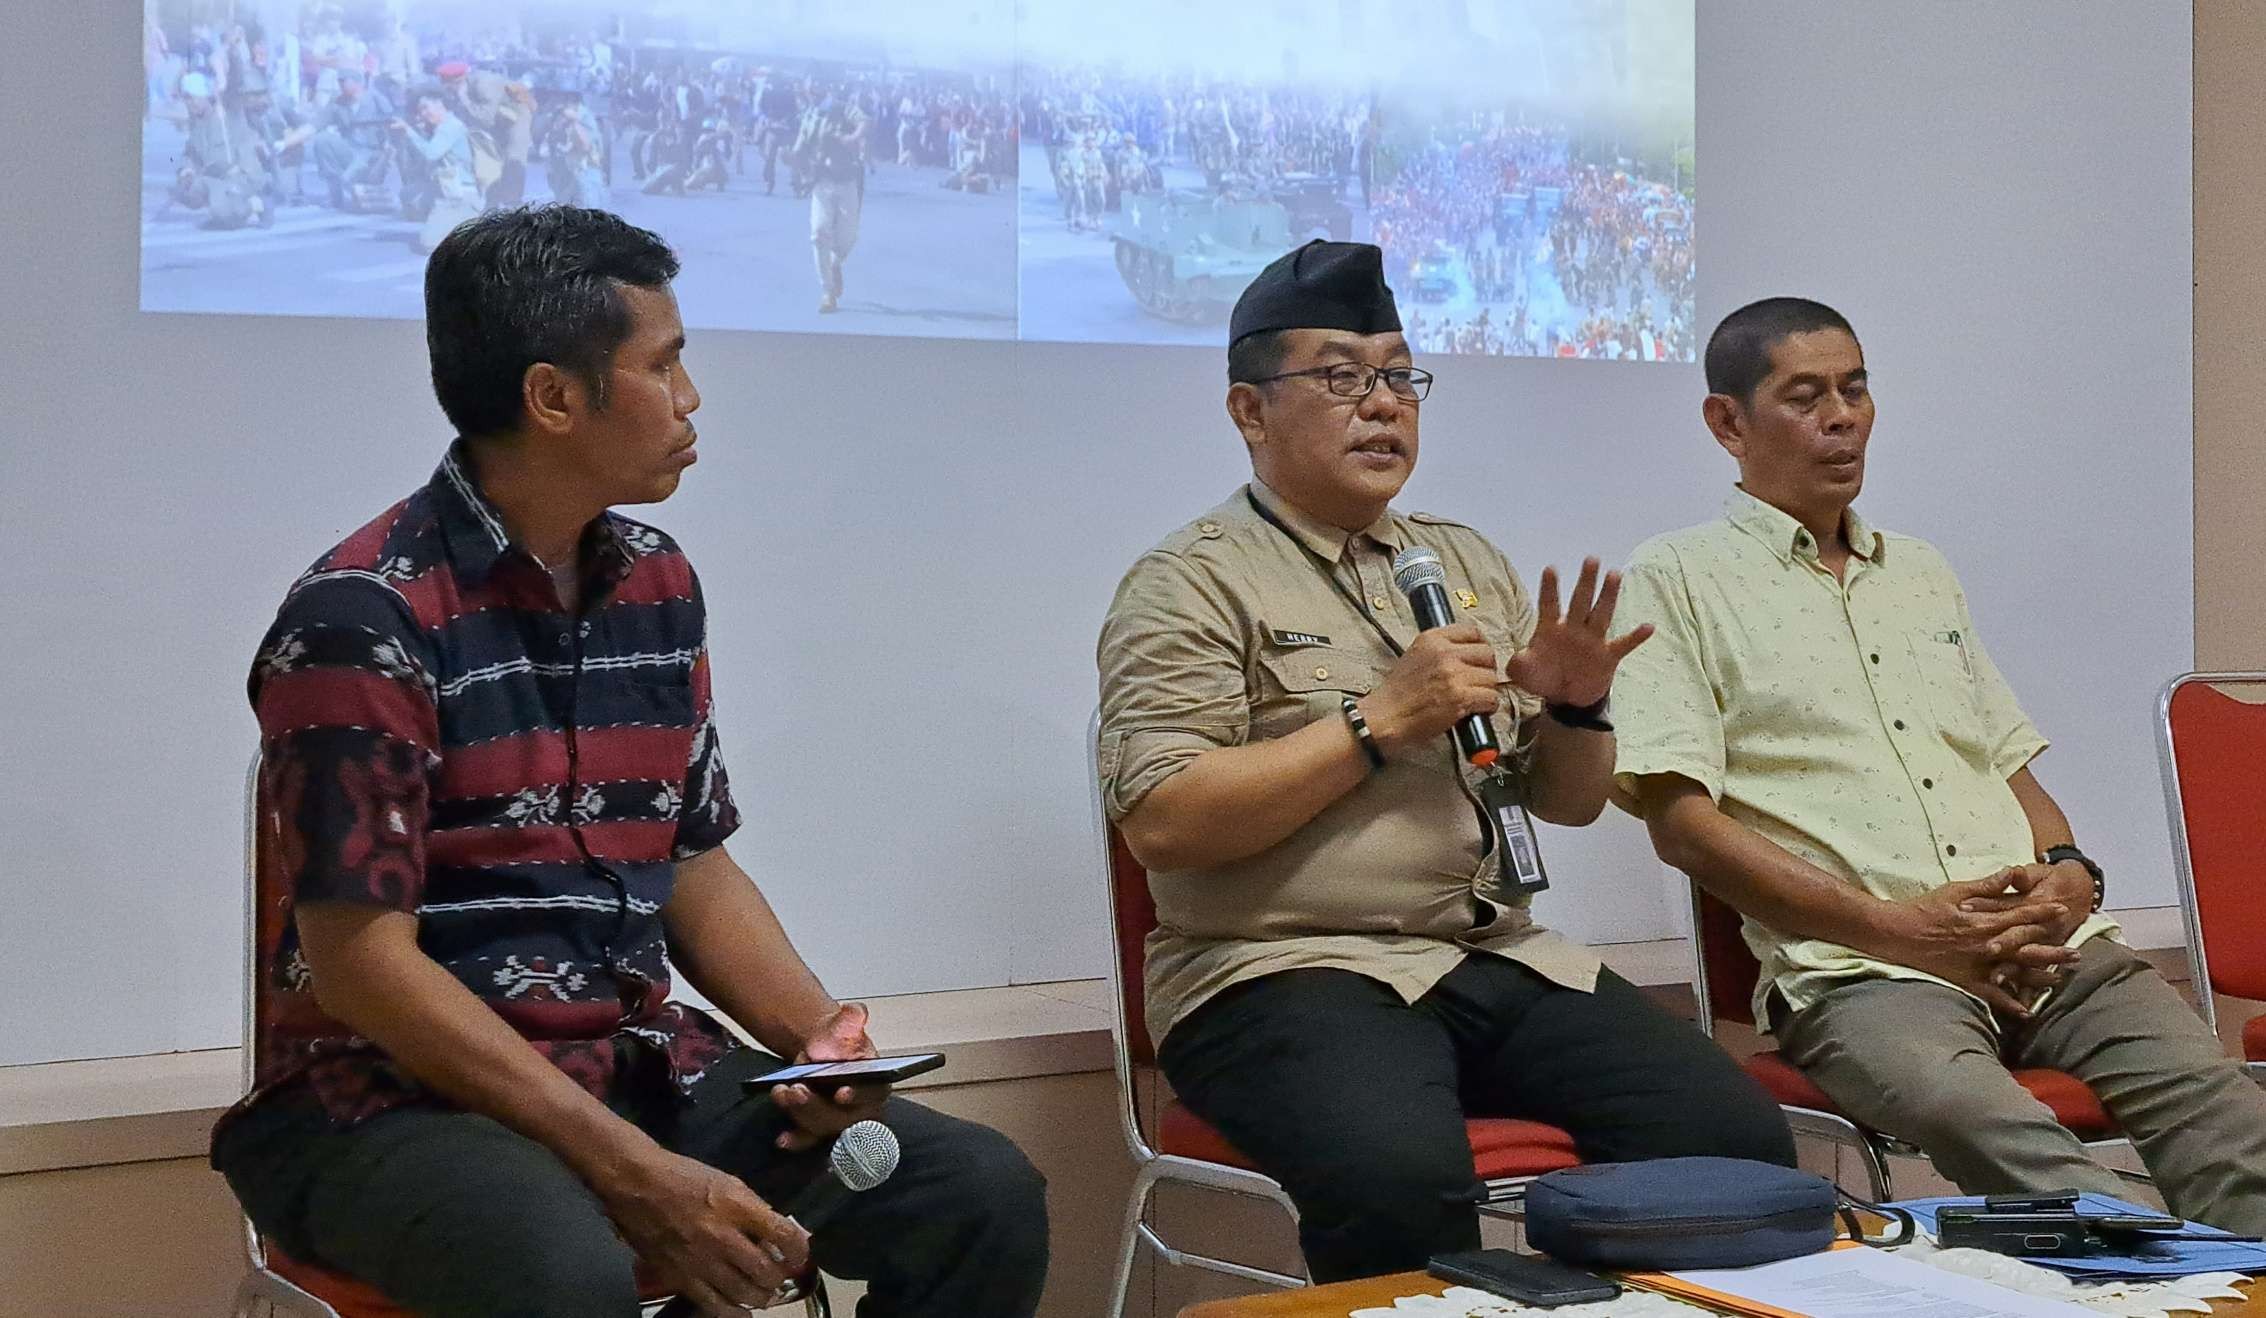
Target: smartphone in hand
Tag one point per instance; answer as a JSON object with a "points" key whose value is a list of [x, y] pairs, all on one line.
{"points": [[865, 1071]]}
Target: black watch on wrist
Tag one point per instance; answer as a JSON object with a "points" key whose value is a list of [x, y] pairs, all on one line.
{"points": [[2056, 855], [1587, 718]]}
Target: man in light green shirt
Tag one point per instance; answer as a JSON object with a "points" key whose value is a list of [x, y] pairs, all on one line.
{"points": [[1817, 737]]}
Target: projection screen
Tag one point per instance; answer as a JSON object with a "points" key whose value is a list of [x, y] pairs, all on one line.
{"points": [[1104, 171]]}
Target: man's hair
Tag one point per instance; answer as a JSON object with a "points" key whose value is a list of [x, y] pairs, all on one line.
{"points": [[1254, 357], [1738, 353], [536, 284]]}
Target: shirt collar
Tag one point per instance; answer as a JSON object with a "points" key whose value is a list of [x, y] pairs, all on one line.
{"points": [[1786, 537], [477, 538], [1326, 541]]}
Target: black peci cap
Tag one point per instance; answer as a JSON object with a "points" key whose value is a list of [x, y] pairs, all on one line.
{"points": [[1323, 285]]}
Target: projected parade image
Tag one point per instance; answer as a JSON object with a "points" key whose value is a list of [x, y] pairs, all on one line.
{"points": [[1112, 171], [817, 167], [1526, 165]]}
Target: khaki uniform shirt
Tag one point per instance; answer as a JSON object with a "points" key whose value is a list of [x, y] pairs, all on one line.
{"points": [[1857, 723], [1230, 632]]}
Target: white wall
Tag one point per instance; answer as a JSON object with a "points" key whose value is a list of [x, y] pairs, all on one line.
{"points": [[907, 546]]}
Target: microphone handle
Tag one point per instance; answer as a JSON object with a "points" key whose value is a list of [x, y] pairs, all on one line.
{"points": [[819, 1201], [1475, 736]]}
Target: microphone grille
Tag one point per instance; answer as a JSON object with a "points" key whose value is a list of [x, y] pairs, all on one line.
{"points": [[864, 1155], [1417, 566]]}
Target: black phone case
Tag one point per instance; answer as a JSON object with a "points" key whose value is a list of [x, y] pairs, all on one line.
{"points": [[921, 1066], [1541, 1282], [2032, 1235]]}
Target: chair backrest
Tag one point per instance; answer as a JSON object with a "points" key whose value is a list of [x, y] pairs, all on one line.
{"points": [[1724, 970], [260, 925], [252, 1021], [2211, 744], [266, 909], [1132, 914]]}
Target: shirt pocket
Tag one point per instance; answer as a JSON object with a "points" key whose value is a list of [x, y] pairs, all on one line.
{"points": [[1300, 684], [1948, 685]]}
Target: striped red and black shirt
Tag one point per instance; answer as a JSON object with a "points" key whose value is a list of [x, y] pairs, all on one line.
{"points": [[439, 735]]}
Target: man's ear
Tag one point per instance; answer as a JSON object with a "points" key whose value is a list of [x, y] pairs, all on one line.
{"points": [[552, 398], [1727, 421], [1247, 408]]}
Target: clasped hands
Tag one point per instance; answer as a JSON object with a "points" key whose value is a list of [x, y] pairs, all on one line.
{"points": [[2001, 937]]}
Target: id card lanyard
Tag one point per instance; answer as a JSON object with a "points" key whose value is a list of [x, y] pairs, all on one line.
{"points": [[1500, 800]]}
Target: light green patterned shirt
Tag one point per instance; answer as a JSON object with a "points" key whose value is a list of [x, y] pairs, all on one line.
{"points": [[1857, 723]]}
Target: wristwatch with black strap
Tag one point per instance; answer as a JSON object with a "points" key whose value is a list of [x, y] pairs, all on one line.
{"points": [[1587, 718], [2069, 851]]}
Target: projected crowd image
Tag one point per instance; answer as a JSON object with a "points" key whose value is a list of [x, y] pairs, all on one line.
{"points": [[1100, 172], [814, 167]]}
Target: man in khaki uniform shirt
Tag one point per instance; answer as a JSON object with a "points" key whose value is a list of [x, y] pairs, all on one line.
{"points": [[1339, 975], [1817, 736]]}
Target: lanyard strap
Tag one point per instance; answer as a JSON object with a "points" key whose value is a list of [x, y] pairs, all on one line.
{"points": [[1329, 573], [1487, 825]]}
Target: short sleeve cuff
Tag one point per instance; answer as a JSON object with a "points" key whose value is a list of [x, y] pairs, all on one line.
{"points": [[2017, 751], [699, 836], [1630, 767], [1134, 763]]}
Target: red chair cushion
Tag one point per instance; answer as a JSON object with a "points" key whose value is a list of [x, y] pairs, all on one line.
{"points": [[2074, 1104], [1500, 1146], [359, 1299], [1504, 1147], [352, 1299], [1786, 1084], [2254, 1039]]}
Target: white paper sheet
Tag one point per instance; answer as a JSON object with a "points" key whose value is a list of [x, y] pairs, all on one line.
{"points": [[1871, 1283]]}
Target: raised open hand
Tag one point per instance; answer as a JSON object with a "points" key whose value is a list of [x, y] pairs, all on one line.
{"points": [[1570, 659]]}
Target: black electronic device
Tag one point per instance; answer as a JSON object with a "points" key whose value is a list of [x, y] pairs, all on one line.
{"points": [[2054, 1233], [865, 1071], [1527, 1278], [2135, 1222], [2048, 1202]]}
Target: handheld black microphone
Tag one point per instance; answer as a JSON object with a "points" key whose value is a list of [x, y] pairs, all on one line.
{"points": [[1418, 574], [863, 1157]]}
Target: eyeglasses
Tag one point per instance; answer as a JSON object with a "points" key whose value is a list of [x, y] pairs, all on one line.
{"points": [[1356, 380]]}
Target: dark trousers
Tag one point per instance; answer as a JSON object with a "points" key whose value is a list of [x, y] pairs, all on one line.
{"points": [[451, 1214], [1355, 1100]]}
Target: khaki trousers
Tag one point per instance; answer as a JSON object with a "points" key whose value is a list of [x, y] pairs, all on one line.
{"points": [[1924, 1062]]}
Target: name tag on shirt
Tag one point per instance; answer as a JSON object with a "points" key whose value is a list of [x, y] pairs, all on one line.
{"points": [[1289, 638]]}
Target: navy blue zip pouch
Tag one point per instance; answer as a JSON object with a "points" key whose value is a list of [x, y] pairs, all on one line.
{"points": [[1672, 1213]]}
